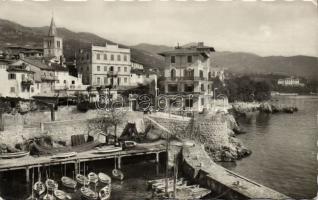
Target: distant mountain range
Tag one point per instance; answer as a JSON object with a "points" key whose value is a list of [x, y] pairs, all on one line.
{"points": [[248, 63], [12, 33]]}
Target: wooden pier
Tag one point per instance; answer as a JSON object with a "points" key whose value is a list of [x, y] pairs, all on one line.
{"points": [[28, 162]]}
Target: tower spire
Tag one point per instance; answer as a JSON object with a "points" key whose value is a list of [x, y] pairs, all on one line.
{"points": [[52, 30]]}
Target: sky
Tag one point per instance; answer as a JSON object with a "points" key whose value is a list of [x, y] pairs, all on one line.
{"points": [[264, 28]]}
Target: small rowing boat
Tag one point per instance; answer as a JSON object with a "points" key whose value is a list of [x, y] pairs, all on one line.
{"points": [[104, 193], [129, 144], [104, 178], [118, 174], [51, 185], [14, 155], [68, 182], [49, 197], [88, 193], [64, 155], [107, 149], [81, 179], [59, 194], [92, 177], [39, 188]]}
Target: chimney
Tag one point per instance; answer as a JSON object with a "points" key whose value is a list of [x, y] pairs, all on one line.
{"points": [[200, 44]]}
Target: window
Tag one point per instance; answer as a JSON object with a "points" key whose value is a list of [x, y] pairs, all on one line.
{"points": [[98, 68], [125, 57], [38, 85], [111, 68], [202, 101], [105, 80], [125, 80], [173, 59], [58, 44], [119, 69], [202, 87], [32, 89], [98, 80], [87, 68], [98, 56], [118, 80], [105, 68], [87, 56], [125, 69], [112, 57], [12, 89], [189, 59], [201, 74], [173, 74], [105, 56], [22, 76], [12, 76], [118, 57], [64, 81], [73, 82]]}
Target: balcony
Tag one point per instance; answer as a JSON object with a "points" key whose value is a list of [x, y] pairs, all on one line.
{"points": [[26, 81], [194, 78], [112, 74], [48, 78]]}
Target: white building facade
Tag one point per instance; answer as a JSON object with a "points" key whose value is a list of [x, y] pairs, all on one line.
{"points": [[104, 65]]}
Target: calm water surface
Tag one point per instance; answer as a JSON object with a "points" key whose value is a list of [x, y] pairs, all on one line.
{"points": [[284, 148], [13, 187]]}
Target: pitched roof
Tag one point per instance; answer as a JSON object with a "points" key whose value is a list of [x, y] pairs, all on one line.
{"points": [[52, 30], [43, 66]]}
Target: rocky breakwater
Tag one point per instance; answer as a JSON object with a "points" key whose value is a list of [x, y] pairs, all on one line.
{"points": [[244, 108], [224, 183], [215, 132]]}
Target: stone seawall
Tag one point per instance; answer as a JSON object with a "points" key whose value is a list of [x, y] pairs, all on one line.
{"points": [[224, 183], [215, 132]]}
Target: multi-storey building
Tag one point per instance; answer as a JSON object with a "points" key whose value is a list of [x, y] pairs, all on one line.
{"points": [[18, 80], [188, 71], [104, 65], [290, 81]]}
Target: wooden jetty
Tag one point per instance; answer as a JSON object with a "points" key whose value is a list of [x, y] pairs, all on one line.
{"points": [[28, 162]]}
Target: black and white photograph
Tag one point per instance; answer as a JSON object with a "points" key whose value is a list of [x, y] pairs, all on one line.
{"points": [[158, 99]]}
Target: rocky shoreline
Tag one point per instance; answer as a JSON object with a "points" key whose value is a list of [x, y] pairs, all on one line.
{"points": [[243, 108]]}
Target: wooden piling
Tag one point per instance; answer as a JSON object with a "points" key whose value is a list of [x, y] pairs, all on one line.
{"points": [[27, 174], [157, 157], [119, 162]]}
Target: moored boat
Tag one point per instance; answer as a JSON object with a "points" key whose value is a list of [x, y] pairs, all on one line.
{"points": [[68, 182], [104, 178], [81, 179], [49, 197], [118, 174], [107, 149], [104, 193], [129, 144], [59, 194], [92, 177], [51, 185], [64, 155], [88, 193], [39, 188], [14, 155]]}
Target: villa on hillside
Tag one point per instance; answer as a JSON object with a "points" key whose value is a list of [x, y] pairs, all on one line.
{"points": [[188, 71]]}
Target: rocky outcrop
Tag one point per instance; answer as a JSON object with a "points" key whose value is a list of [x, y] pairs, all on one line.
{"points": [[267, 107], [213, 131]]}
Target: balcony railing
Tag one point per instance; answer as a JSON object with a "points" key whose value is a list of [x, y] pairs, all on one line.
{"points": [[27, 81], [195, 78], [49, 78]]}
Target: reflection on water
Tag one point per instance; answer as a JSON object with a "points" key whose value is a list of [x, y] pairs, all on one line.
{"points": [[284, 149]]}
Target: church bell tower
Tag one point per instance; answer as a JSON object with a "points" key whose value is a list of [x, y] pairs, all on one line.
{"points": [[52, 44]]}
